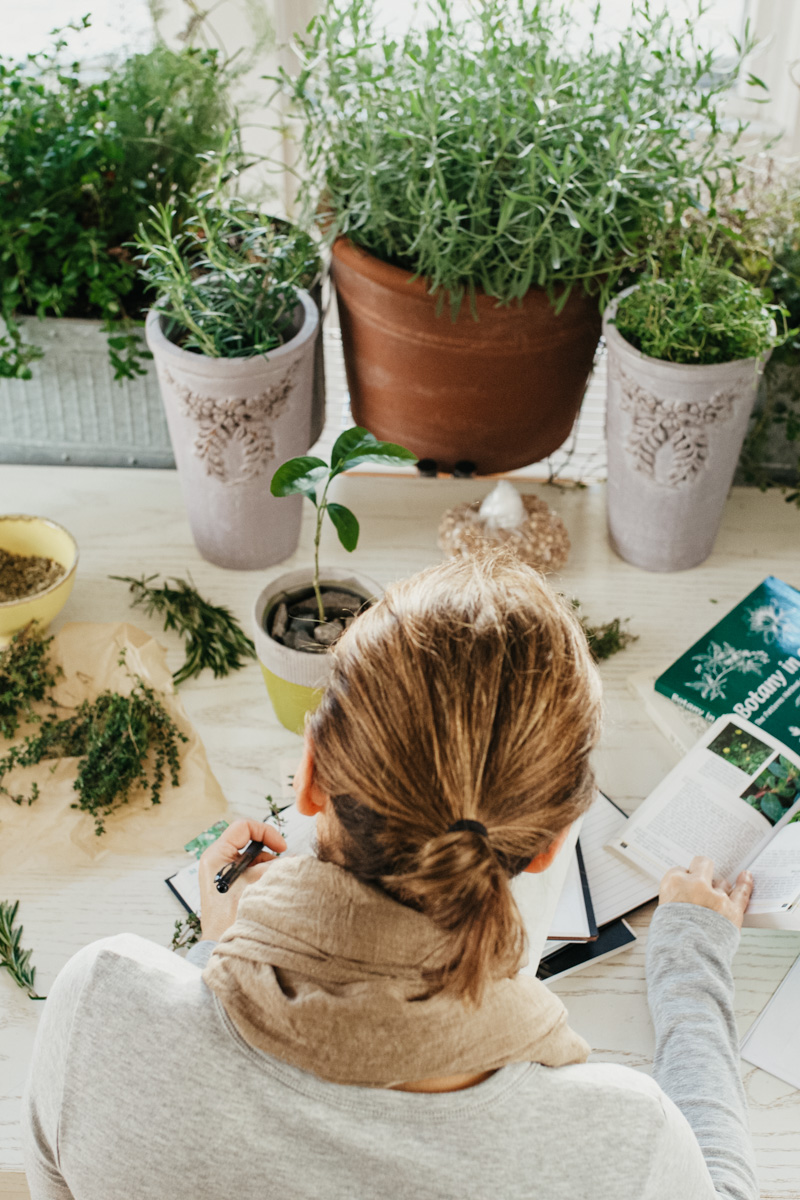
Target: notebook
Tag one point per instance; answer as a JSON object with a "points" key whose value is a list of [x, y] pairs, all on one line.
{"points": [[574, 920], [773, 1040], [617, 886]]}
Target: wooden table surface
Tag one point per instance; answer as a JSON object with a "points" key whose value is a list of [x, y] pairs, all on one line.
{"points": [[131, 521]]}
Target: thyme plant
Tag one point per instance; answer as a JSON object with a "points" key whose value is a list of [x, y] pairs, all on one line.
{"points": [[700, 313], [26, 677], [122, 742], [500, 151], [311, 477], [225, 278]]}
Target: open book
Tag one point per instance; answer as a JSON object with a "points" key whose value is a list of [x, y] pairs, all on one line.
{"points": [[735, 797]]}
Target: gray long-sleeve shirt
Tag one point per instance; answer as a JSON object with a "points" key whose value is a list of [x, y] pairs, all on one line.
{"points": [[141, 1087]]}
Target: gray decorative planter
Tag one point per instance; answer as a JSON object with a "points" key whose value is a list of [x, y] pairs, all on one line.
{"points": [[74, 411], [232, 421], [674, 434]]}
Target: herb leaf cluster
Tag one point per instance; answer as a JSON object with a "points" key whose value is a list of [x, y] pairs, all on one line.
{"points": [[12, 956], [213, 636], [500, 151], [122, 742], [26, 677], [225, 278], [699, 313], [81, 160]]}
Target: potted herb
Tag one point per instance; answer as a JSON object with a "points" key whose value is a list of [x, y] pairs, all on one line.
{"points": [[485, 181], [685, 351], [82, 157], [299, 615], [232, 334]]}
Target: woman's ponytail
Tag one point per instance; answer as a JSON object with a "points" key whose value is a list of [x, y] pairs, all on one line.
{"points": [[454, 741]]}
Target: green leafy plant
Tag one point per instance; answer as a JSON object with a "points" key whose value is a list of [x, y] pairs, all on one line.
{"points": [[607, 638], [499, 150], [312, 477], [225, 278], [16, 960], [214, 638], [81, 160], [122, 741], [26, 677], [701, 313]]}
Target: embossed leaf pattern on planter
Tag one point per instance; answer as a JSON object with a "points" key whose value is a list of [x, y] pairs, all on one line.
{"points": [[681, 425], [234, 434]]}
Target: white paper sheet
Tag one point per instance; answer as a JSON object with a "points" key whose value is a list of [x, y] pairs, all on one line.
{"points": [[773, 1040]]}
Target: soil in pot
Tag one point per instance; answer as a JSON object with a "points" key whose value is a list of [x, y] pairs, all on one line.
{"points": [[294, 619]]}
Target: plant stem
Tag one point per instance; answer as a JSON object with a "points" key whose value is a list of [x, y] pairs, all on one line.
{"points": [[322, 504]]}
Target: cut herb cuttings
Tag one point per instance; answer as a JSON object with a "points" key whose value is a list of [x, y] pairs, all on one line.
{"points": [[213, 636], [607, 638], [122, 741], [187, 933], [26, 677], [16, 960]]}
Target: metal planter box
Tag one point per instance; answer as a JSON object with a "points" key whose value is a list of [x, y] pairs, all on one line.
{"points": [[74, 411]]}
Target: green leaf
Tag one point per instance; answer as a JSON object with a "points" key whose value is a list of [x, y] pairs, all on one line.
{"points": [[358, 445], [772, 808], [346, 525], [299, 475]]}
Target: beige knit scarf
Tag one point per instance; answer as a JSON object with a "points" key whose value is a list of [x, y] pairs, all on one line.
{"points": [[323, 971]]}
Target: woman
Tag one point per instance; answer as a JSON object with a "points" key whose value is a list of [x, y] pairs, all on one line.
{"points": [[359, 1028]]}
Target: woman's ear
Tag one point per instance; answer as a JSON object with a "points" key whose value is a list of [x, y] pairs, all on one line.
{"points": [[310, 797], [541, 861]]}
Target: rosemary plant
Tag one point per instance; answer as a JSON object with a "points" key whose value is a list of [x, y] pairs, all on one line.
{"points": [[16, 960], [122, 742], [500, 149], [26, 677], [312, 477], [225, 278], [213, 636]]}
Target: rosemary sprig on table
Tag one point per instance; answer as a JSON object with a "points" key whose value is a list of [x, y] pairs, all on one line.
{"points": [[122, 741], [16, 960], [26, 677], [213, 636]]}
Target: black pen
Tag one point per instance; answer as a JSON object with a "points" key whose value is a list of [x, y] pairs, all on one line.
{"points": [[231, 872]]}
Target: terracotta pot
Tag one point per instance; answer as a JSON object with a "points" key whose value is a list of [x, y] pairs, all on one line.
{"points": [[502, 391], [674, 434], [232, 422], [294, 678]]}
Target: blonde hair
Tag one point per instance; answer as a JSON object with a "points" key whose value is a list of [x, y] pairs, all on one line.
{"points": [[466, 692]]}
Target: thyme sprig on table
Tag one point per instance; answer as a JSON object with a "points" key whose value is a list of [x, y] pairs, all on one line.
{"points": [[16, 960], [26, 677], [213, 636], [122, 741], [607, 638]]}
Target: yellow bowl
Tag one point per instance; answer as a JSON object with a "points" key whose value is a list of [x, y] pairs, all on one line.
{"points": [[37, 535]]}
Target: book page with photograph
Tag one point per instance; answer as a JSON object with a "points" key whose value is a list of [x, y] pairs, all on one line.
{"points": [[729, 799]]}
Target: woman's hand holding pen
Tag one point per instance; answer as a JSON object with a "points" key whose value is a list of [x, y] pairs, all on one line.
{"points": [[218, 910]]}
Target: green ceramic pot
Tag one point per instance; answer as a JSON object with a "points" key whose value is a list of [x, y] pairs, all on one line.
{"points": [[295, 679]]}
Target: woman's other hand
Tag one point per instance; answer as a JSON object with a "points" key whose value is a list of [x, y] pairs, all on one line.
{"points": [[696, 885], [218, 909]]}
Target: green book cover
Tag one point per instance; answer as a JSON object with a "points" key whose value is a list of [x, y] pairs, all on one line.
{"points": [[748, 664]]}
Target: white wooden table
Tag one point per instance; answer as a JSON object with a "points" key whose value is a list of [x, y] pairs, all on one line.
{"points": [[127, 522]]}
